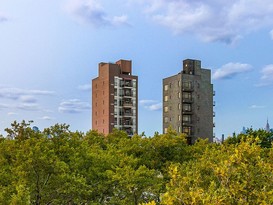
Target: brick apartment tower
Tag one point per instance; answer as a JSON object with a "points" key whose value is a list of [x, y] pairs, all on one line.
{"points": [[115, 98], [188, 102]]}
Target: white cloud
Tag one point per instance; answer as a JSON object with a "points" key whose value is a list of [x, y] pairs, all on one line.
{"points": [[230, 70], [46, 118], [271, 34], [3, 106], [151, 105], [73, 106], [12, 113], [211, 20], [256, 107], [28, 106], [143, 102], [267, 76], [85, 87], [28, 99], [91, 12], [22, 99], [17, 93]]}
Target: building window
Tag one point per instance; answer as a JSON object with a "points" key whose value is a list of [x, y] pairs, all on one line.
{"points": [[179, 83], [187, 85], [187, 107], [179, 129], [166, 98], [115, 121], [166, 87], [165, 130], [187, 95], [179, 95], [187, 130], [179, 117], [166, 109], [166, 119], [134, 84], [115, 111], [187, 118], [179, 106]]}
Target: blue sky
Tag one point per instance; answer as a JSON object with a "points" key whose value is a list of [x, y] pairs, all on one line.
{"points": [[50, 51]]}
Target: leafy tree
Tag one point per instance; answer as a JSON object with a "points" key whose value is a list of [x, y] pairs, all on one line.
{"points": [[226, 174], [266, 138]]}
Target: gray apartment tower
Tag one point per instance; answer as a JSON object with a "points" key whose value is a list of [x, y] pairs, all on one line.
{"points": [[188, 102], [114, 98]]}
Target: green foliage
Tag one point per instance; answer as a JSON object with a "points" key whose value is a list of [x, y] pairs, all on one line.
{"points": [[265, 138], [58, 166], [227, 174]]}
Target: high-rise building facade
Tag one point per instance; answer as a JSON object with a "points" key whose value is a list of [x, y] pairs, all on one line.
{"points": [[115, 98], [188, 102]]}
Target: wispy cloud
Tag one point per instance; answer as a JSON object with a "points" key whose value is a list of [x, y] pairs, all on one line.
{"points": [[92, 12], [257, 106], [85, 87], [271, 34], [151, 105], [17, 93], [73, 106], [3, 106], [28, 106], [3, 17], [22, 99], [12, 113], [267, 76], [46, 118], [230, 70], [224, 21]]}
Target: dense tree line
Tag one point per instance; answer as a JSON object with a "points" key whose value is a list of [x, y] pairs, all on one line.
{"points": [[58, 166]]}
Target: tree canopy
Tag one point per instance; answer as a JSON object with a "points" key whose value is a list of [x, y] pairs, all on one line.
{"points": [[58, 166]]}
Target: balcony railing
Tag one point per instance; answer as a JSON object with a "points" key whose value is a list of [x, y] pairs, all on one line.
{"points": [[187, 100], [127, 104], [128, 124], [187, 112], [127, 84], [187, 123], [126, 114], [188, 88]]}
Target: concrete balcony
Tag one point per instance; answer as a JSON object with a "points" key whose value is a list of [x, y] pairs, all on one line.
{"points": [[127, 104], [187, 100], [188, 88]]}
